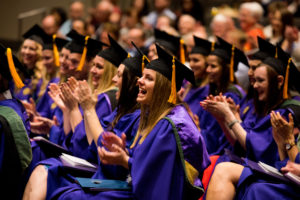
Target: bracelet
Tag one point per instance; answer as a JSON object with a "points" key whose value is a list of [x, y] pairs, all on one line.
{"points": [[230, 125]]}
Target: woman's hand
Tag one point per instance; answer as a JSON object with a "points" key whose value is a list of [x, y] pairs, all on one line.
{"points": [[281, 129], [117, 156], [42, 125], [291, 167], [109, 139], [54, 93], [218, 107], [85, 97], [67, 97]]}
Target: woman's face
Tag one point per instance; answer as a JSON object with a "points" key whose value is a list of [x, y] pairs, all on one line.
{"points": [[64, 61], [117, 80], [97, 70], [152, 54], [29, 53], [48, 60], [146, 85], [197, 63], [261, 83], [213, 69], [253, 64], [276, 22]]}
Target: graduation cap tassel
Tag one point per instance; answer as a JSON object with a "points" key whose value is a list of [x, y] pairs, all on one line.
{"points": [[55, 51], [182, 53], [231, 70], [276, 53], [143, 62], [82, 60], [212, 46], [12, 69], [128, 55], [173, 95], [286, 80]]}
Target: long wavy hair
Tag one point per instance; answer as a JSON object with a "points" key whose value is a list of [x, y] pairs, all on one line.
{"points": [[274, 94], [215, 89], [37, 71], [105, 82], [158, 108], [127, 101]]}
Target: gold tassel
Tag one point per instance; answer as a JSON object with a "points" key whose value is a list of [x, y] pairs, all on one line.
{"points": [[182, 53], [276, 53], [212, 46], [82, 60], [55, 51], [173, 95], [286, 80], [231, 70], [143, 62], [18, 82], [128, 55]]}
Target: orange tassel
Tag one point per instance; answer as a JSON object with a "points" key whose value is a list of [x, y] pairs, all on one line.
{"points": [[55, 52], [128, 56], [18, 82], [82, 60], [212, 46], [173, 95], [286, 80], [182, 53], [276, 53], [231, 70], [143, 62]]}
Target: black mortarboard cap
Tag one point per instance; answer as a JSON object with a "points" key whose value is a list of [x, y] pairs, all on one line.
{"points": [[265, 49], [202, 46], [84, 45], [114, 53], [284, 66], [9, 72], [34, 33], [78, 43], [136, 64], [163, 64], [166, 40]]}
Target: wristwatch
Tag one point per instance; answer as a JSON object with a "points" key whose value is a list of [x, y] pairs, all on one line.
{"points": [[289, 145]]}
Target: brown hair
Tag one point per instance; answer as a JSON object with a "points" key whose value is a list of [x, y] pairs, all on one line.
{"points": [[105, 83], [274, 95], [158, 108]]}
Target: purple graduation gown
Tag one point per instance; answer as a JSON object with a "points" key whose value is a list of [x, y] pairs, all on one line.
{"points": [[77, 142], [59, 181], [156, 168], [45, 105], [26, 92], [213, 135]]}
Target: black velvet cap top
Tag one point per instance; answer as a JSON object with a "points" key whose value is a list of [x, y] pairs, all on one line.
{"points": [[114, 53], [78, 43], [163, 64], [202, 46], [224, 51], [34, 33], [266, 49], [135, 64]]}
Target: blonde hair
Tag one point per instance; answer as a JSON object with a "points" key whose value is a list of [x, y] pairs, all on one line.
{"points": [[47, 78], [38, 68], [105, 83], [158, 108]]}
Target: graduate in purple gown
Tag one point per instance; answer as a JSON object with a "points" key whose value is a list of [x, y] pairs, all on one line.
{"points": [[197, 59], [257, 141], [124, 119], [221, 64], [50, 60], [31, 57], [15, 150]]}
